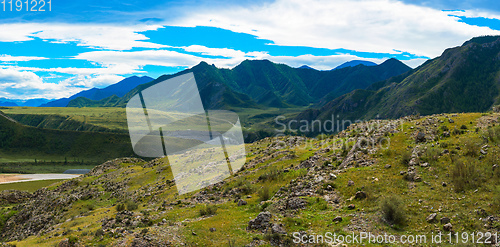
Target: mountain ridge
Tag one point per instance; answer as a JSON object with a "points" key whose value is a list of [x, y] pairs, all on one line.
{"points": [[120, 88], [262, 83], [462, 79]]}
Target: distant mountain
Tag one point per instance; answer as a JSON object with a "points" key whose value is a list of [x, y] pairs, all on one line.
{"points": [[35, 102], [84, 102], [21, 102], [305, 67], [262, 83], [8, 103], [462, 79], [119, 89], [355, 63]]}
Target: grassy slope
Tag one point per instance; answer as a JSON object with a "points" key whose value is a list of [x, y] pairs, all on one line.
{"points": [[106, 117], [19, 143], [30, 186], [230, 220]]}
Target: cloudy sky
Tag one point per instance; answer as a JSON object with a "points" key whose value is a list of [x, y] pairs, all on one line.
{"points": [[78, 45]]}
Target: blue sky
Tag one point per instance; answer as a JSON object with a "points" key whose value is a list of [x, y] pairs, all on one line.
{"points": [[83, 44]]}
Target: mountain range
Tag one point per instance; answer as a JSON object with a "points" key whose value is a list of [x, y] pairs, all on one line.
{"points": [[118, 89], [262, 83], [462, 79], [18, 102]]}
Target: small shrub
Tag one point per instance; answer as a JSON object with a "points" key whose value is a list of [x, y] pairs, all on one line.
{"points": [[431, 155], [208, 210], [99, 232], [90, 207], [494, 134], [131, 206], [456, 131], [393, 210], [464, 176], [463, 127], [72, 240], [120, 207], [270, 175], [246, 188], [405, 158], [264, 193], [444, 128], [471, 148], [264, 206]]}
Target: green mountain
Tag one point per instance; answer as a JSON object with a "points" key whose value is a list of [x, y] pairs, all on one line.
{"points": [[85, 102], [261, 83], [462, 79]]}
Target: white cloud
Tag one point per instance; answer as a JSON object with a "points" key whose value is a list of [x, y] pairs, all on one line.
{"points": [[105, 36], [16, 83], [361, 25], [9, 58], [89, 81]]}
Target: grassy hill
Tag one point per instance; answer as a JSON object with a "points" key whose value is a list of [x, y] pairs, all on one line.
{"points": [[28, 144], [414, 175]]}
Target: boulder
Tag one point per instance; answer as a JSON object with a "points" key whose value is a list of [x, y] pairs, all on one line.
{"points": [[431, 218], [261, 222]]}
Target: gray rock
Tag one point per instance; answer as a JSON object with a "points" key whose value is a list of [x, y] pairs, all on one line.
{"points": [[351, 206], [448, 227], [431, 218], [337, 219], [295, 203], [360, 195], [387, 166], [261, 222], [420, 137], [445, 220], [350, 183], [212, 229], [278, 228], [242, 202]]}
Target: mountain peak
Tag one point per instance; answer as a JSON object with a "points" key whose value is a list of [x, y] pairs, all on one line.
{"points": [[482, 39], [355, 63], [305, 67]]}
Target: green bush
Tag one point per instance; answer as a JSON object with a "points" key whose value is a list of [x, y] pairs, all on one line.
{"points": [[271, 175], [72, 240], [406, 157], [131, 206], [463, 127], [393, 210], [120, 207], [464, 175], [99, 232], [208, 210], [431, 155], [471, 148], [264, 193], [494, 134]]}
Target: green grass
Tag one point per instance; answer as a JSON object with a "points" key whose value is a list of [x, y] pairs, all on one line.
{"points": [[30, 186], [106, 117]]}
